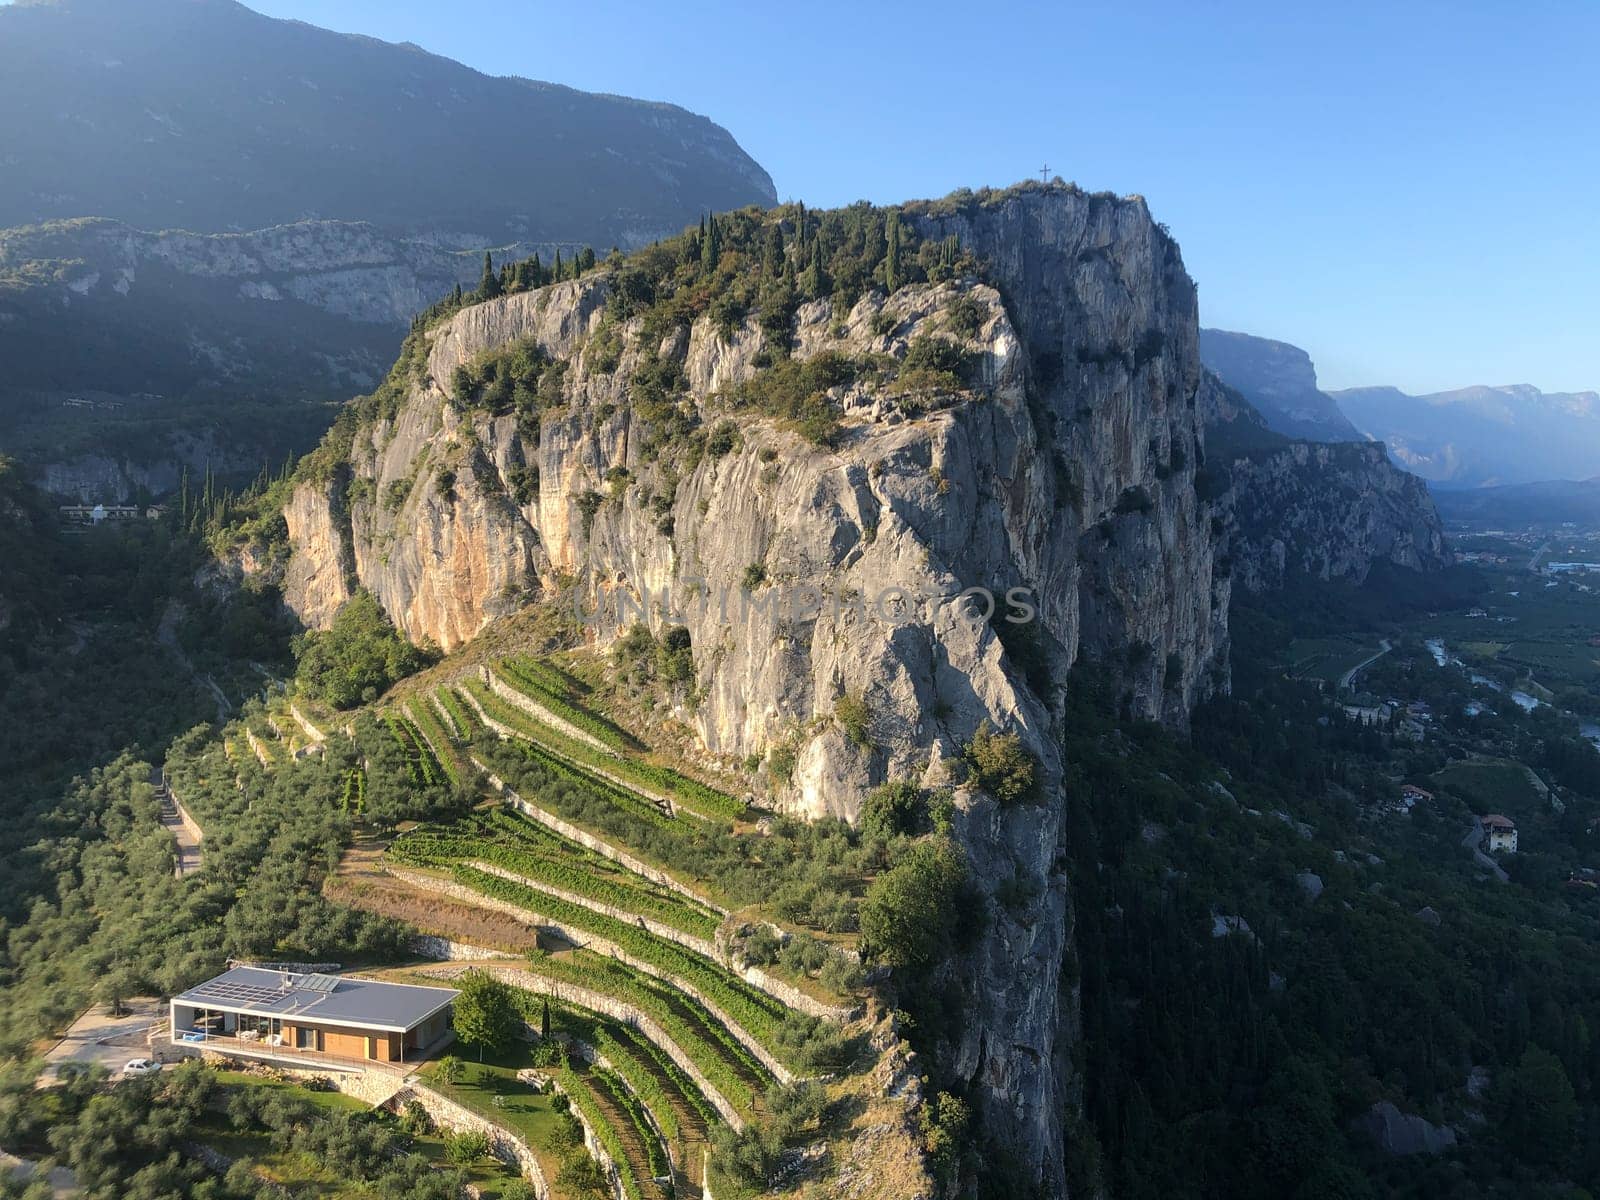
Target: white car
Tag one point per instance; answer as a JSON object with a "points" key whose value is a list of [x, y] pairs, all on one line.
{"points": [[141, 1066]]}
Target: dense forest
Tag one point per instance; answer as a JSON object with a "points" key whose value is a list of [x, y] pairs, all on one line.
{"points": [[1267, 946]]}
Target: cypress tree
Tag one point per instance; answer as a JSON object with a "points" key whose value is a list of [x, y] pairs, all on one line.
{"points": [[555, 271], [489, 285], [772, 256], [713, 245], [891, 261], [587, 258], [544, 1021]]}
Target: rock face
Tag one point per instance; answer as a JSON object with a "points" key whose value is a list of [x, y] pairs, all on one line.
{"points": [[1280, 381], [1067, 469], [346, 269], [1398, 1133], [1329, 511], [1323, 510], [132, 357]]}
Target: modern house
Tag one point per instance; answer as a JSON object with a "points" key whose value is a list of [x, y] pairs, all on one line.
{"points": [[335, 1021], [1499, 833]]}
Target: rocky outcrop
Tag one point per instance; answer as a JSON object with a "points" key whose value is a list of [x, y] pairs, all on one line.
{"points": [[1398, 1133], [1280, 380], [1329, 511], [1064, 473], [346, 269]]}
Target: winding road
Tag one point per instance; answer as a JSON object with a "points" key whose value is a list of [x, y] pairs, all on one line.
{"points": [[1345, 680]]}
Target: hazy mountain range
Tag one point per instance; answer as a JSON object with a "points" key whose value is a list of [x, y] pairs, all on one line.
{"points": [[1471, 437], [206, 116], [1479, 436]]}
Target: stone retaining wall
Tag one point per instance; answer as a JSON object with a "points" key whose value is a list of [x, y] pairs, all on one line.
{"points": [[687, 940], [591, 1143], [311, 731], [447, 1114], [190, 825], [538, 711], [755, 976], [442, 949], [591, 1055], [256, 749], [505, 731]]}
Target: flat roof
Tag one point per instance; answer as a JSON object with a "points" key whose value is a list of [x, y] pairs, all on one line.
{"points": [[321, 999]]}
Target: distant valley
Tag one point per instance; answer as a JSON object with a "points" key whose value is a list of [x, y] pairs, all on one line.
{"points": [[313, 191]]}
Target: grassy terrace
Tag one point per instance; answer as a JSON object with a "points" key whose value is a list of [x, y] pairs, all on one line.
{"points": [[536, 681], [543, 857], [436, 739], [715, 1053], [491, 1089], [756, 1012]]}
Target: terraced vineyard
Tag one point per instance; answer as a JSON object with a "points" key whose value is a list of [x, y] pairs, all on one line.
{"points": [[435, 739], [664, 1039], [554, 690], [537, 856], [538, 683], [420, 761]]}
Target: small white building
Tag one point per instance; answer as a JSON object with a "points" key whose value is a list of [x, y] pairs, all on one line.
{"points": [[1499, 834]]}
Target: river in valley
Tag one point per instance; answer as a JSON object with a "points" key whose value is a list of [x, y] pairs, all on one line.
{"points": [[1523, 700]]}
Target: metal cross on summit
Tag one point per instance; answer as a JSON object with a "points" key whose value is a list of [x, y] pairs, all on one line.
{"points": [[1044, 173]]}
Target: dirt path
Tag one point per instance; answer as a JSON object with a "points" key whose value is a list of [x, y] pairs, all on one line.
{"points": [[185, 829]]}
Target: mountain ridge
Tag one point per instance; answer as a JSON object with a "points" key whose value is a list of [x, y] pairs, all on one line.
{"points": [[1279, 379], [251, 121], [1482, 435]]}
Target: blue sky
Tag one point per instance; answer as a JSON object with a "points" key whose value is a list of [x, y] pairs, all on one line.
{"points": [[1411, 191]]}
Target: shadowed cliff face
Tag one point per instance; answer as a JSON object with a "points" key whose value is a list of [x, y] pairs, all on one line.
{"points": [[1330, 511], [1066, 467], [1320, 510]]}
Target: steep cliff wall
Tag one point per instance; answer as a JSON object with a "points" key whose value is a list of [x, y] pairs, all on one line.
{"points": [[1066, 465], [1330, 511], [1323, 510]]}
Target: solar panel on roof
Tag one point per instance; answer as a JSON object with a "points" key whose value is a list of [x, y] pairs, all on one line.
{"points": [[317, 983], [234, 993]]}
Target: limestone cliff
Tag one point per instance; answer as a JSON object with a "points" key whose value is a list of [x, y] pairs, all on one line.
{"points": [[1330, 511], [1065, 465], [1319, 510]]}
